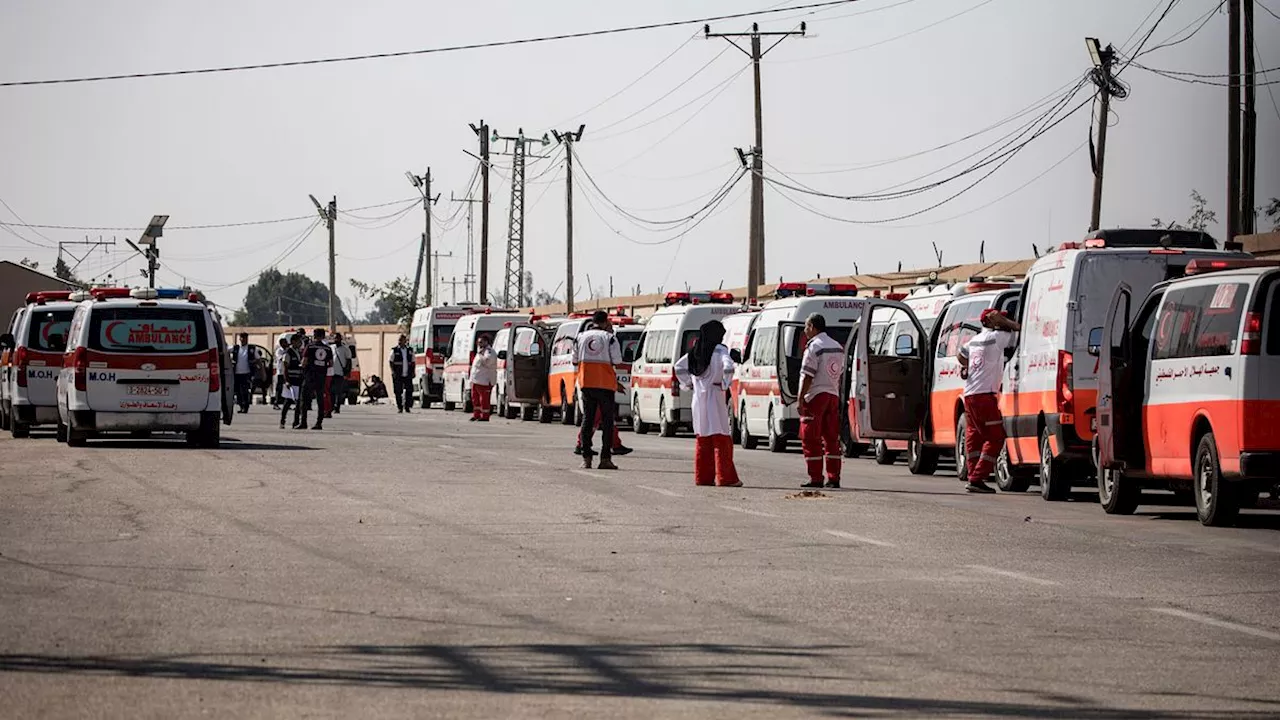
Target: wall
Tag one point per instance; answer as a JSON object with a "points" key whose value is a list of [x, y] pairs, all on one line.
{"points": [[15, 282], [373, 343]]}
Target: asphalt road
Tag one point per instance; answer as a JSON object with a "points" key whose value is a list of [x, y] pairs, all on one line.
{"points": [[422, 566]]}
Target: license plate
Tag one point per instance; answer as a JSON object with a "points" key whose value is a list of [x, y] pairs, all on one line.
{"points": [[149, 390]]}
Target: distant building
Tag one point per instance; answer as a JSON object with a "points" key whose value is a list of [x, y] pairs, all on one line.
{"points": [[16, 281]]}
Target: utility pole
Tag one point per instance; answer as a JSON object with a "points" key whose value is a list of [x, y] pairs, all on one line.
{"points": [[1233, 120], [454, 283], [1103, 60], [513, 285], [435, 256], [329, 215], [154, 231], [100, 242], [1248, 163], [756, 252], [468, 278], [482, 132], [568, 139], [423, 183]]}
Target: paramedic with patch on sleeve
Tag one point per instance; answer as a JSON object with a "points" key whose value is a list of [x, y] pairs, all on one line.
{"points": [[981, 366], [820, 373]]}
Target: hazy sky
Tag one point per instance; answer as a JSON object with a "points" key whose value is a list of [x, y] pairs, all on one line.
{"points": [[248, 146]]}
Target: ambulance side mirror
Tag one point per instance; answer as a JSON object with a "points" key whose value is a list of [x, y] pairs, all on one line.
{"points": [[535, 349], [6, 341], [905, 346], [1095, 342], [502, 354], [736, 356]]}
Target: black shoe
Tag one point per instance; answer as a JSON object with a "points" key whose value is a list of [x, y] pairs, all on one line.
{"points": [[586, 462], [815, 485], [317, 426], [281, 424], [577, 450], [606, 464], [473, 418], [622, 450], [400, 410], [833, 484], [406, 409], [980, 488]]}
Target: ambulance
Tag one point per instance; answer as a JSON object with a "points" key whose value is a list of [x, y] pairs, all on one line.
{"points": [[35, 345], [144, 360], [6, 366], [429, 334], [1189, 389], [1050, 386], [737, 335], [562, 379], [942, 432], [524, 354], [629, 341], [462, 349], [770, 372], [670, 333]]}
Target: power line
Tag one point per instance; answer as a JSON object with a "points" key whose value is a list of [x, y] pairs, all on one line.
{"points": [[1203, 21], [718, 194], [200, 227], [664, 96], [890, 39], [424, 51]]}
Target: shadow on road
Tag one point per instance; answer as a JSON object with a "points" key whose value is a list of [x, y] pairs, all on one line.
{"points": [[694, 672], [227, 444]]}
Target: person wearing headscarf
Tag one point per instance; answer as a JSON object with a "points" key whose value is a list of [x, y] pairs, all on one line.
{"points": [[707, 371]]}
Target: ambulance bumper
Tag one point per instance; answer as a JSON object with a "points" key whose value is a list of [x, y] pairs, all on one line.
{"points": [[128, 421], [1260, 465], [36, 414]]}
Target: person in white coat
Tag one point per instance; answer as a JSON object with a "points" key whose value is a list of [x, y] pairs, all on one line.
{"points": [[484, 373], [707, 371]]}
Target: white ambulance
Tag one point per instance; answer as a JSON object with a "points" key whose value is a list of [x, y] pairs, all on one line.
{"points": [[36, 344], [144, 360], [562, 378], [1050, 386], [771, 370], [429, 334], [523, 349], [1189, 392], [669, 334], [737, 335], [462, 349]]}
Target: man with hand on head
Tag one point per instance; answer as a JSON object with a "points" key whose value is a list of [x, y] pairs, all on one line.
{"points": [[982, 366]]}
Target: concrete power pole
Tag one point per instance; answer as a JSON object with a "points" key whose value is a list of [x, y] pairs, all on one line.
{"points": [[513, 294], [1249, 149], [468, 278], [756, 245], [483, 133], [1103, 60], [568, 139], [1233, 120], [329, 215], [436, 257], [423, 183]]}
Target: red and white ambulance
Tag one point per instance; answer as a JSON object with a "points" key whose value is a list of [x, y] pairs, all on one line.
{"points": [[144, 360], [462, 350], [429, 335], [669, 334], [1049, 390], [562, 379], [1189, 389], [776, 349], [36, 344], [737, 336]]}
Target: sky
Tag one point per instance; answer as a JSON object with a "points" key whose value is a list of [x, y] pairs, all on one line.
{"points": [[850, 109]]}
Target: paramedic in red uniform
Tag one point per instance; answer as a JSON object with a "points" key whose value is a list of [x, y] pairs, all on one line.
{"points": [[484, 373], [820, 373], [981, 366], [596, 352]]}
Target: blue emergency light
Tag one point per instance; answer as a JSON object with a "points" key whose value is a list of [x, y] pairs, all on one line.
{"points": [[172, 293]]}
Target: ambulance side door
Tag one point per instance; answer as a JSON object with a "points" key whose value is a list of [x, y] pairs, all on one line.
{"points": [[527, 362], [890, 382], [790, 352], [226, 370], [1109, 344]]}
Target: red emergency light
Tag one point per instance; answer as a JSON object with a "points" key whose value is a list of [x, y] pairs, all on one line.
{"points": [[1200, 267], [676, 298], [109, 293], [1095, 243], [787, 290], [899, 297], [977, 287], [44, 296]]}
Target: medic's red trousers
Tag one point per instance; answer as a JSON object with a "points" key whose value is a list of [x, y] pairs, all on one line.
{"points": [[480, 395], [820, 436], [713, 461], [983, 436]]}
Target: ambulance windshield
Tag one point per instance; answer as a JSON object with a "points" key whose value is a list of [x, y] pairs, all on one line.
{"points": [[441, 337], [148, 330], [49, 329]]}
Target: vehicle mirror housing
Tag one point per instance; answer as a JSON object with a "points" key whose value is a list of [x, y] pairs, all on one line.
{"points": [[535, 349], [629, 355], [905, 345], [502, 354], [7, 342], [1095, 342], [736, 356]]}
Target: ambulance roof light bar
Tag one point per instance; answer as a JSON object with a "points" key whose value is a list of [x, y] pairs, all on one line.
{"points": [[1200, 267], [109, 293], [832, 289], [43, 296]]}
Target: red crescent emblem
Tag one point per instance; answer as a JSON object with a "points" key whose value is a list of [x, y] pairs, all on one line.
{"points": [[593, 344], [109, 328]]}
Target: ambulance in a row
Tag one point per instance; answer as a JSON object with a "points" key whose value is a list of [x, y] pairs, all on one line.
{"points": [[31, 354], [737, 336], [472, 326], [776, 347], [656, 398], [562, 379], [1189, 388], [429, 336], [144, 360]]}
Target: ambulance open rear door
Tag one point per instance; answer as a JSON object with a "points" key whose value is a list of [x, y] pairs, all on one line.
{"points": [[1110, 344], [889, 379], [226, 374], [528, 360], [790, 354]]}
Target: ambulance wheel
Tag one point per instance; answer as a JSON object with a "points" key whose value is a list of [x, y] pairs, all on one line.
{"points": [[448, 406], [577, 409], [76, 438], [641, 427], [962, 459], [777, 442], [749, 441], [666, 428], [1010, 478], [921, 460], [1055, 486], [545, 414], [209, 434], [61, 432], [1117, 495], [885, 456], [4, 416], [19, 429], [467, 407], [423, 402], [566, 410], [528, 413], [1217, 503]]}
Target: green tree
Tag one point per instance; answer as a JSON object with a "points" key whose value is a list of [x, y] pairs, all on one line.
{"points": [[1272, 212], [393, 301], [294, 299], [63, 271], [1200, 220]]}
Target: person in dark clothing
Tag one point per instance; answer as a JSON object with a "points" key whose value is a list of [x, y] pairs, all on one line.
{"points": [[242, 364], [291, 377], [316, 360], [281, 353], [402, 371]]}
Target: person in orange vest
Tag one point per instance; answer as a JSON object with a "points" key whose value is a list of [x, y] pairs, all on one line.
{"points": [[595, 353]]}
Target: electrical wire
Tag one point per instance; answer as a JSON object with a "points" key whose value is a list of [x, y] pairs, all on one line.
{"points": [[716, 196], [392, 219], [424, 51], [691, 227], [888, 40], [293, 247], [602, 132], [1202, 79], [23, 222], [1266, 9], [1203, 21], [215, 226]]}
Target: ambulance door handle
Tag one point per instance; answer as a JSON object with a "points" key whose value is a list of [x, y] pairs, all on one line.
{"points": [[1227, 370]]}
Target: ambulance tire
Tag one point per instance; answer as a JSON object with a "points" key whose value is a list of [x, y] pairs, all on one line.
{"points": [[885, 456], [209, 434], [76, 438], [448, 406], [1217, 502], [4, 416], [528, 413], [962, 459], [1055, 484], [749, 441], [467, 407], [777, 441], [1117, 495], [545, 414], [921, 460], [666, 428], [19, 429], [1011, 478], [61, 433], [566, 410]]}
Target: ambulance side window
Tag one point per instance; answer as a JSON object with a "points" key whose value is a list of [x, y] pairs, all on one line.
{"points": [[1200, 321], [563, 346], [1273, 321], [659, 345], [765, 347]]}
